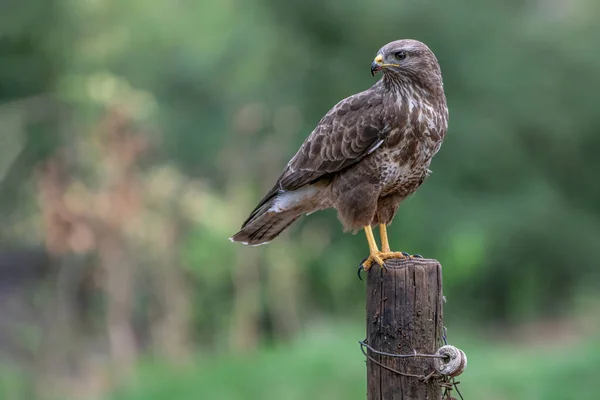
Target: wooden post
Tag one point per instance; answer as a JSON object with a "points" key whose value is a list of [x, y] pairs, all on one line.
{"points": [[404, 316]]}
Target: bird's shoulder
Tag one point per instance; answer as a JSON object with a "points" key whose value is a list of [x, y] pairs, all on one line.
{"points": [[345, 134], [353, 109]]}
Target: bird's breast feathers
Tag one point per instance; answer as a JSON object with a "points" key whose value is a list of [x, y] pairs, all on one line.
{"points": [[415, 137]]}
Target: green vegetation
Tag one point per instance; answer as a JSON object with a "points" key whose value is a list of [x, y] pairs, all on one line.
{"points": [[326, 363], [136, 136]]}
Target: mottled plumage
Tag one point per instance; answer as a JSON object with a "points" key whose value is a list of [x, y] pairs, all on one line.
{"points": [[367, 154]]}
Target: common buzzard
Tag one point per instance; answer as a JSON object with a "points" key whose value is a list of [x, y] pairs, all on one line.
{"points": [[366, 155]]}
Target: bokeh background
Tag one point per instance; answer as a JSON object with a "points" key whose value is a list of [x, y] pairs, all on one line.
{"points": [[135, 136]]}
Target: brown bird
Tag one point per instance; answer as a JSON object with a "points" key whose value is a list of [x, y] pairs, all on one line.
{"points": [[366, 155]]}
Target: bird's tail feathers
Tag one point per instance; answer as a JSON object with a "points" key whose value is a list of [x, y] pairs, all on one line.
{"points": [[273, 216], [264, 226]]}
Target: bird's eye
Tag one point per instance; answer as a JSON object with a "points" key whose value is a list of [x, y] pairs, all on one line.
{"points": [[400, 55]]}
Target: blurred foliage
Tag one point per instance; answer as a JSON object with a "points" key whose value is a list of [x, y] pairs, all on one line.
{"points": [[137, 136], [323, 364]]}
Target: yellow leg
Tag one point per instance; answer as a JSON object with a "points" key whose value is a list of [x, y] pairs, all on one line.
{"points": [[371, 240], [373, 250], [374, 254], [385, 244]]}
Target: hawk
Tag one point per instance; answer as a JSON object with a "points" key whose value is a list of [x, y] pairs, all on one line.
{"points": [[366, 155]]}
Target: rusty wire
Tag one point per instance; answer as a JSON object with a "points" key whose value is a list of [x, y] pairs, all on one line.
{"points": [[363, 343], [422, 378], [446, 382]]}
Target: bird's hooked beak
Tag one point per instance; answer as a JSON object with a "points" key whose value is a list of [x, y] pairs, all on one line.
{"points": [[377, 64]]}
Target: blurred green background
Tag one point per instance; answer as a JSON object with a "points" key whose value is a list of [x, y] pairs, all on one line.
{"points": [[137, 135]]}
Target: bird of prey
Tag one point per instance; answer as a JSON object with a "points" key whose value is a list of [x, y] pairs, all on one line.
{"points": [[365, 156]]}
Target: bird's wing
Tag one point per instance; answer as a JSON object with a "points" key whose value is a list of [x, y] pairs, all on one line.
{"points": [[350, 131], [345, 135]]}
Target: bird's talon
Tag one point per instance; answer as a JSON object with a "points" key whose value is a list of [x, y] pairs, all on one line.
{"points": [[378, 257], [378, 260], [365, 265], [405, 254], [417, 256]]}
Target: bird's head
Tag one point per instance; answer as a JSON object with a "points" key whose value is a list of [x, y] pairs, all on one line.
{"points": [[407, 60]]}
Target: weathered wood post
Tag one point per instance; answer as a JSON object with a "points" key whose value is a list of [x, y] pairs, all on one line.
{"points": [[404, 317]]}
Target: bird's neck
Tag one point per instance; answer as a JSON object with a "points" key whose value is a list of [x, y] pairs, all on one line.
{"points": [[394, 83], [410, 89], [401, 84]]}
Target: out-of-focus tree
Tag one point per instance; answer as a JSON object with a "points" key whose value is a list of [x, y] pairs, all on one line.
{"points": [[222, 94]]}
